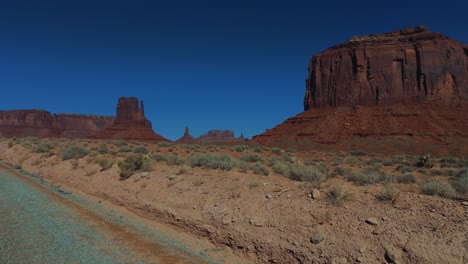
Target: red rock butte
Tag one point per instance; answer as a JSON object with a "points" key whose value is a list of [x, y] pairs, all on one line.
{"points": [[402, 91], [130, 123]]}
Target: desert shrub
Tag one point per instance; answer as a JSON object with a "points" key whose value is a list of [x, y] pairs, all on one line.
{"points": [[279, 167], [102, 149], [370, 176], [311, 175], [276, 151], [422, 170], [105, 161], [130, 165], [73, 152], [404, 169], [120, 143], [251, 158], [125, 149], [406, 178], [337, 195], [351, 160], [387, 193], [357, 152], [174, 160], [258, 150], [259, 169], [211, 161], [388, 163], [339, 171], [146, 166], [158, 157], [290, 150], [460, 183], [141, 149], [243, 166], [42, 147], [164, 144], [437, 187], [239, 148], [13, 142]]}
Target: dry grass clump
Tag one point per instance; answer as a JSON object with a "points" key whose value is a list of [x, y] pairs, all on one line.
{"points": [[337, 195], [437, 187]]}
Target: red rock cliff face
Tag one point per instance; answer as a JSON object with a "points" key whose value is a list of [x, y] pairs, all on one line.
{"points": [[130, 123], [40, 123], [23, 123], [81, 126], [412, 65]]}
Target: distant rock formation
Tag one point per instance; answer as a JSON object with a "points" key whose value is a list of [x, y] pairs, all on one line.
{"points": [[218, 136], [41, 123], [186, 138], [412, 65], [130, 123], [408, 88]]}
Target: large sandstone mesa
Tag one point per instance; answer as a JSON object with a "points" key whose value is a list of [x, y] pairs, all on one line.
{"points": [[411, 64], [41, 123], [130, 123], [403, 91]]}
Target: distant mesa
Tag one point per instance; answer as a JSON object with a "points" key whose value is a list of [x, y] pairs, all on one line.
{"points": [[219, 136], [41, 123], [186, 138], [407, 87], [130, 123]]}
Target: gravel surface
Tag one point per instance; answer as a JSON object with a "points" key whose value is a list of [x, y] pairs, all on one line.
{"points": [[39, 225]]}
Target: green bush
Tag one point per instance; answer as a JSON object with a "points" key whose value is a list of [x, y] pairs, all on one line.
{"points": [[73, 152], [120, 143], [357, 152], [436, 187], [406, 178], [239, 148], [279, 167], [460, 183], [130, 165], [210, 161], [251, 158], [105, 161], [141, 149], [125, 149], [404, 169], [164, 144], [158, 157], [42, 147], [276, 151], [102, 149], [259, 169], [305, 174]]}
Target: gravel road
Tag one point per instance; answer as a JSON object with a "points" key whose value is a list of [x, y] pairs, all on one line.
{"points": [[45, 224]]}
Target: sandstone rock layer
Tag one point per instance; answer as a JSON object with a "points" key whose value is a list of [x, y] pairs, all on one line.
{"points": [[411, 65], [41, 123]]}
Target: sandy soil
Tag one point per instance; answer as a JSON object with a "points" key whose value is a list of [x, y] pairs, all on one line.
{"points": [[270, 219]]}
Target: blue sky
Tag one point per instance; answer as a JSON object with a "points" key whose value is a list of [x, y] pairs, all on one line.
{"points": [[238, 65]]}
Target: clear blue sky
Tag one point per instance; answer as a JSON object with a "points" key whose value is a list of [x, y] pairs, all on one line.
{"points": [[237, 65]]}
